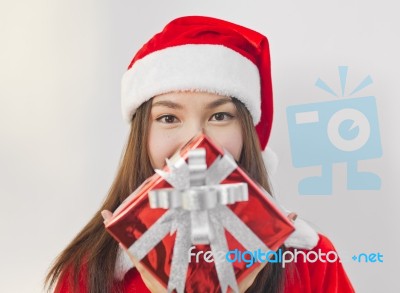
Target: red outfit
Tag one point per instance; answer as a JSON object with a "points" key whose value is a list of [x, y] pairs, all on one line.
{"points": [[301, 277], [317, 277]]}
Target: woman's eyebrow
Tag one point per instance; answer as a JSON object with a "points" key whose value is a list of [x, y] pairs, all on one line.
{"points": [[218, 102], [168, 104]]}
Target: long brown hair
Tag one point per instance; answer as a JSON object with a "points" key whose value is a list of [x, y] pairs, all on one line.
{"points": [[94, 248]]}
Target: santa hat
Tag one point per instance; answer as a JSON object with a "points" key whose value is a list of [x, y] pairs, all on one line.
{"points": [[199, 53]]}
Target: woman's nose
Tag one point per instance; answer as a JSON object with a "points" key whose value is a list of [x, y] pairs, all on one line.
{"points": [[197, 131], [193, 129]]}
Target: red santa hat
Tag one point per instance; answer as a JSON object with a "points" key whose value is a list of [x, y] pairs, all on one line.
{"points": [[204, 54]]}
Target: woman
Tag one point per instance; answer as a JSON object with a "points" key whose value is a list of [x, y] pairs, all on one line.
{"points": [[199, 74]]}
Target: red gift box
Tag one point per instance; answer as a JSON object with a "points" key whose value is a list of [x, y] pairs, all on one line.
{"points": [[259, 213]]}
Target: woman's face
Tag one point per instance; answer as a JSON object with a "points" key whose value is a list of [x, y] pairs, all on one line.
{"points": [[178, 116], [175, 118]]}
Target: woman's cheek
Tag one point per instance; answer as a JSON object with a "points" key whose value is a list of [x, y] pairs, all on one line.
{"points": [[229, 138], [162, 145]]}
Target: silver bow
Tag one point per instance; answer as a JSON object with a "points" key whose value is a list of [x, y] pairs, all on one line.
{"points": [[198, 213]]}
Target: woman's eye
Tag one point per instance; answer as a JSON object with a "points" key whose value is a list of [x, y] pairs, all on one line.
{"points": [[221, 116], [167, 119]]}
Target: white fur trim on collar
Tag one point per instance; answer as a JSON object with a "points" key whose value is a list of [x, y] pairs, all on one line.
{"points": [[122, 265], [304, 237]]}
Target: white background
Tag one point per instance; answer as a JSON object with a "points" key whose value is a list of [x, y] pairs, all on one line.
{"points": [[61, 131]]}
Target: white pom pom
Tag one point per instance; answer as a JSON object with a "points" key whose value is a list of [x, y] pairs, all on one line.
{"points": [[271, 160]]}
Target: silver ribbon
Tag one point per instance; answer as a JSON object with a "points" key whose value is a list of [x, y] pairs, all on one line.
{"points": [[198, 213]]}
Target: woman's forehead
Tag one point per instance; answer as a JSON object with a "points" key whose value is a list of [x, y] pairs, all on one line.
{"points": [[183, 97]]}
